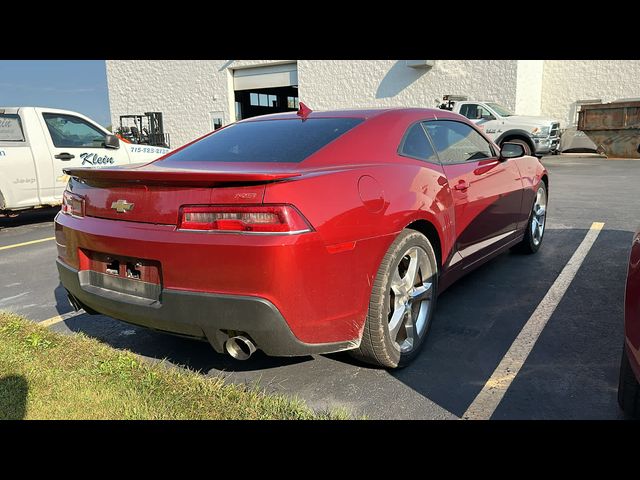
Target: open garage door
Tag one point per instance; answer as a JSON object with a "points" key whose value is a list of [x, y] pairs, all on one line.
{"points": [[265, 90]]}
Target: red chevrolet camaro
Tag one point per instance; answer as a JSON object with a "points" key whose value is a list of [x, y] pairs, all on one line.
{"points": [[300, 233], [629, 386]]}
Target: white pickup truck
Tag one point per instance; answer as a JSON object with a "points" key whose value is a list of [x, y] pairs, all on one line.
{"points": [[538, 135], [37, 143]]}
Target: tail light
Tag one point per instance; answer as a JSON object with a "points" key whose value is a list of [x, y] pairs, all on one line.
{"points": [[72, 204], [263, 219]]}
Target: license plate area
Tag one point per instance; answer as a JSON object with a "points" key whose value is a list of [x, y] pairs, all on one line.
{"points": [[137, 277]]}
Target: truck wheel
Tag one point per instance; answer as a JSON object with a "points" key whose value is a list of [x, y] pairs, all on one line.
{"points": [[402, 302], [525, 145]]}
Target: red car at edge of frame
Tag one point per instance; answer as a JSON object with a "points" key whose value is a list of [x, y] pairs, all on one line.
{"points": [[302, 232], [629, 385]]}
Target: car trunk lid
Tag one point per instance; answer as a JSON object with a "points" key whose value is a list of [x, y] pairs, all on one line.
{"points": [[155, 195]]}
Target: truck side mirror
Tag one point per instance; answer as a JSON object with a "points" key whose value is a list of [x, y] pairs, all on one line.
{"points": [[111, 141], [488, 116]]}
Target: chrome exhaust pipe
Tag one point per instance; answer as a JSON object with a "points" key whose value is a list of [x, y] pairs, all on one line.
{"points": [[240, 347]]}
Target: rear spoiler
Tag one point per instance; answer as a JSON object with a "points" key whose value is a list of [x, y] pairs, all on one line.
{"points": [[174, 176]]}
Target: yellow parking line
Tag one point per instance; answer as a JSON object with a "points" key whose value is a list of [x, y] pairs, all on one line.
{"points": [[59, 318], [23, 244]]}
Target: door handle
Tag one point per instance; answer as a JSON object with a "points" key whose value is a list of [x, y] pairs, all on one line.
{"points": [[64, 156], [461, 185]]}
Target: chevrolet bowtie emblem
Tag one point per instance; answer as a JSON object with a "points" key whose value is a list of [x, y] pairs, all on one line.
{"points": [[122, 206]]}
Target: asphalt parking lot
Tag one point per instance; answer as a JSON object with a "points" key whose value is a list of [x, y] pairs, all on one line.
{"points": [[571, 373]]}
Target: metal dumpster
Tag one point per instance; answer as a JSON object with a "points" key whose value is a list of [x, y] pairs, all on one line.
{"points": [[613, 127]]}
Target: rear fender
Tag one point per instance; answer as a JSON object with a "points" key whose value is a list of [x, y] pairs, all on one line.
{"points": [[444, 243], [373, 202]]}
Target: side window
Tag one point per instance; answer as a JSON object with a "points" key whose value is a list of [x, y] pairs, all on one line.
{"points": [[484, 113], [457, 142], [417, 145], [68, 131], [469, 110], [11, 128], [474, 112]]}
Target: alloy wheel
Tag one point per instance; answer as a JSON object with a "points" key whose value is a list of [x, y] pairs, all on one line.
{"points": [[539, 216], [410, 298]]}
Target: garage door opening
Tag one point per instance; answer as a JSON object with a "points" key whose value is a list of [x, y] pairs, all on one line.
{"points": [[265, 90], [263, 101]]}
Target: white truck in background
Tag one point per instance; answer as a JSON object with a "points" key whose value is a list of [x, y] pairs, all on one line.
{"points": [[538, 135], [37, 143]]}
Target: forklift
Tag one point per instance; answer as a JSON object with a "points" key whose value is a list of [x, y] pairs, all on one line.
{"points": [[448, 101], [144, 129]]}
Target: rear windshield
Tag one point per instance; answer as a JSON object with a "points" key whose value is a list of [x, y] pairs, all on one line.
{"points": [[267, 141]]}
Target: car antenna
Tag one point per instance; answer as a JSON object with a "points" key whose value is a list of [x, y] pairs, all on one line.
{"points": [[303, 111]]}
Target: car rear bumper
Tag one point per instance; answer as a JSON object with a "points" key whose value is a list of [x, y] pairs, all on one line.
{"points": [[196, 314]]}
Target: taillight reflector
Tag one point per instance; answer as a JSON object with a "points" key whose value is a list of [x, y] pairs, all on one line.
{"points": [[72, 204], [246, 219]]}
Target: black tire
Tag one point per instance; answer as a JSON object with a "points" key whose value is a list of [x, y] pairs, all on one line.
{"points": [[628, 388], [531, 243], [377, 347], [525, 145]]}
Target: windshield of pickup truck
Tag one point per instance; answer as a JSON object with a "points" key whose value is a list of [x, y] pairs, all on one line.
{"points": [[500, 110]]}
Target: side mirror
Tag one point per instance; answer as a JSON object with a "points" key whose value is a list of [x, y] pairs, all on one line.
{"points": [[511, 150], [111, 141], [488, 117]]}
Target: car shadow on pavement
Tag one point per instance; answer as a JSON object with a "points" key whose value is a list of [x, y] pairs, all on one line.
{"points": [[572, 371], [62, 300], [29, 217], [190, 353], [13, 397]]}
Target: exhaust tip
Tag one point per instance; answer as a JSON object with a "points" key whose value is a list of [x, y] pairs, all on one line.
{"points": [[240, 347]]}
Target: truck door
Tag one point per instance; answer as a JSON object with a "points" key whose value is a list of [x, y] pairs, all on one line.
{"points": [[487, 192], [75, 141]]}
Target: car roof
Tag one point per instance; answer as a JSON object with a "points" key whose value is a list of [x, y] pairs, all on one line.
{"points": [[396, 112]]}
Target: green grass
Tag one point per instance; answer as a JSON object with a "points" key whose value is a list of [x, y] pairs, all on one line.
{"points": [[45, 375]]}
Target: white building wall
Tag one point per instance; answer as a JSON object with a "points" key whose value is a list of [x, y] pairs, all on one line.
{"points": [[182, 90], [332, 84], [566, 81], [187, 91], [529, 87]]}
